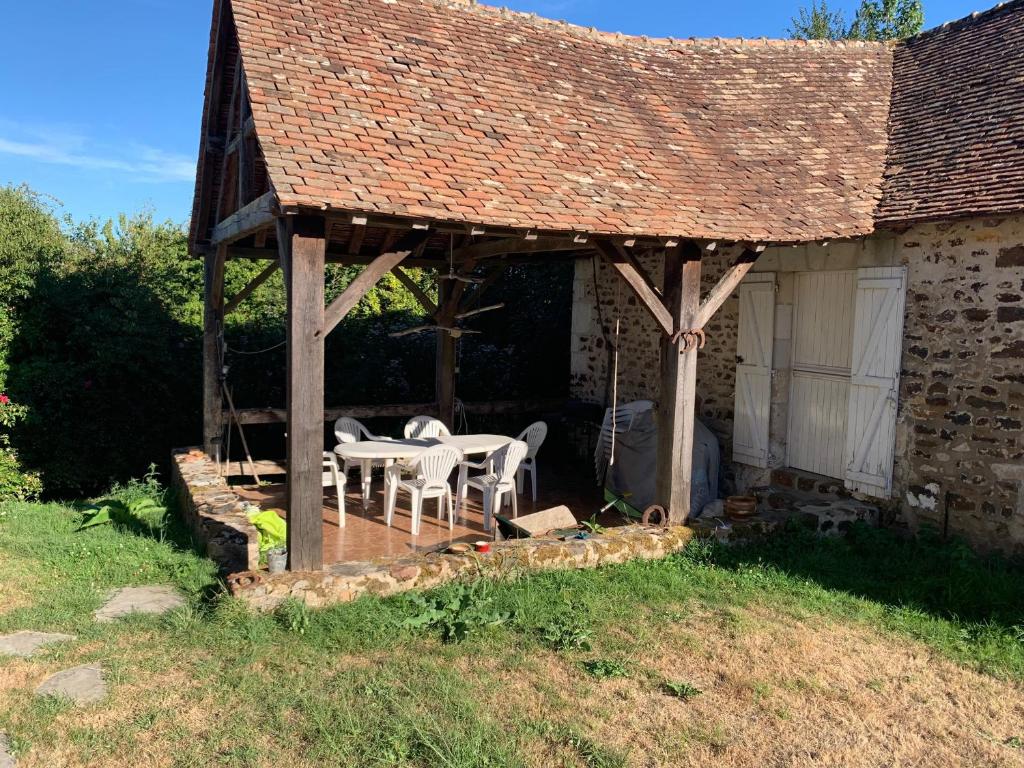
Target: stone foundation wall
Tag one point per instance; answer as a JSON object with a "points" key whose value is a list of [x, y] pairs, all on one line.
{"points": [[959, 444], [344, 582], [213, 512], [218, 519]]}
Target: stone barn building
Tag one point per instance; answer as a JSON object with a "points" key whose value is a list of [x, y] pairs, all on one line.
{"points": [[888, 366]]}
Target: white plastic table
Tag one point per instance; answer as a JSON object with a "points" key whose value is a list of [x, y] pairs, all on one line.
{"points": [[407, 449]]}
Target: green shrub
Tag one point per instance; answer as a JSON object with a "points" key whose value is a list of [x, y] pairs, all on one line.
{"points": [[16, 483]]}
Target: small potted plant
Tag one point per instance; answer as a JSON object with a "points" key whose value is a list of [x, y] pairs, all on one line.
{"points": [[277, 559]]}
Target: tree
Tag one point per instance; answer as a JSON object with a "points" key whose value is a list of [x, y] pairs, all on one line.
{"points": [[873, 20], [818, 23], [887, 20]]}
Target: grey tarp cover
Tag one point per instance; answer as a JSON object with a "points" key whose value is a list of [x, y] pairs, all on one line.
{"points": [[632, 474]]}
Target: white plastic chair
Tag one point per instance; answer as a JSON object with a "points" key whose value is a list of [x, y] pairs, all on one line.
{"points": [[433, 467], [425, 426], [349, 430], [332, 477], [497, 482], [533, 436]]}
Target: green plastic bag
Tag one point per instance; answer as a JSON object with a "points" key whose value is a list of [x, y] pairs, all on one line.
{"points": [[272, 529]]}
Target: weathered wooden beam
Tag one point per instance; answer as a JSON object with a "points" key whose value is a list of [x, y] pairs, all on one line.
{"points": [[256, 416], [491, 248], [444, 359], [228, 158], [213, 323], [303, 252], [677, 399], [621, 262], [413, 287], [725, 286], [368, 278], [251, 286], [355, 242], [248, 130], [246, 220]]}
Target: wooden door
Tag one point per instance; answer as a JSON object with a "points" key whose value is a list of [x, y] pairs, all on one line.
{"points": [[874, 379], [820, 387], [754, 369]]}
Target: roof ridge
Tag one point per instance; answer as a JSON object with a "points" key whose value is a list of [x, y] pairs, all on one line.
{"points": [[966, 21], [654, 42]]}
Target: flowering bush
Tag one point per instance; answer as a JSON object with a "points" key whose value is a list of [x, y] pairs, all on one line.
{"points": [[16, 484]]}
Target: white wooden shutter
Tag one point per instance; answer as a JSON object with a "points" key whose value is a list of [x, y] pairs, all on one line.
{"points": [[754, 369], [874, 379]]}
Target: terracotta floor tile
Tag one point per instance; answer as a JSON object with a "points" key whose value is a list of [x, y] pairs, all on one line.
{"points": [[367, 536]]}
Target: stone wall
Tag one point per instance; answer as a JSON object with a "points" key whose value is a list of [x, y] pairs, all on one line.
{"points": [[344, 582], [218, 519], [593, 336], [959, 445], [214, 513]]}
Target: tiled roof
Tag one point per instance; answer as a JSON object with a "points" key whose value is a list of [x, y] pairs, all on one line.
{"points": [[957, 122], [457, 112]]}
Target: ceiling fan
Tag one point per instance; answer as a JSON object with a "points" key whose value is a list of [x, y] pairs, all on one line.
{"points": [[456, 331], [452, 274]]}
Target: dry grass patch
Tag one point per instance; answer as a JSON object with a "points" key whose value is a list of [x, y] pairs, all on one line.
{"points": [[784, 692]]}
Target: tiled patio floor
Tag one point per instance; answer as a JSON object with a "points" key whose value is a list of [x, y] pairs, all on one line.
{"points": [[366, 535]]}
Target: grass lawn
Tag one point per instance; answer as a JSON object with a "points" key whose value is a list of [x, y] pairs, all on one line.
{"points": [[792, 652]]}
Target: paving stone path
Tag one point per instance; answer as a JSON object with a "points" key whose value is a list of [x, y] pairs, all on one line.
{"points": [[6, 758], [83, 685], [26, 643], [128, 600]]}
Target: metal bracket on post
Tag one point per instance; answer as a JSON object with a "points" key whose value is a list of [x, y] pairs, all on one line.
{"points": [[693, 338]]}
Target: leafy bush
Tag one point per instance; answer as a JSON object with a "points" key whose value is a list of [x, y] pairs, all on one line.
{"points": [[16, 483], [292, 615], [137, 505], [457, 612], [568, 632], [681, 690], [604, 669]]}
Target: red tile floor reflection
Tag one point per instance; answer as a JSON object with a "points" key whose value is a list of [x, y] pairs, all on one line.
{"points": [[367, 536]]}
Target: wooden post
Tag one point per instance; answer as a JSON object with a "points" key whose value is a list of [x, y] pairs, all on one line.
{"points": [[303, 252], [444, 368], [678, 384], [213, 323]]}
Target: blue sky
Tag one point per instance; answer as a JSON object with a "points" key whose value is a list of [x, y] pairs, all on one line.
{"points": [[101, 101]]}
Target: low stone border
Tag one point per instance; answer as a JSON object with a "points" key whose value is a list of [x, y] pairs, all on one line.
{"points": [[344, 582], [217, 518], [214, 513]]}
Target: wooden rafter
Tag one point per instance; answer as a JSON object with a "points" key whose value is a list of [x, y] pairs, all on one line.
{"points": [[355, 243], [492, 248], [725, 286], [251, 286], [246, 220], [625, 265], [375, 270]]}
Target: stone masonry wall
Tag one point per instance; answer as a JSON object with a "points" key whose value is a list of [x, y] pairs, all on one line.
{"points": [[639, 340], [959, 444]]}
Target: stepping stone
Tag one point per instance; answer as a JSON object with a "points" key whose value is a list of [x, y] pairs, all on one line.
{"points": [[6, 758], [156, 599], [26, 643], [83, 685]]}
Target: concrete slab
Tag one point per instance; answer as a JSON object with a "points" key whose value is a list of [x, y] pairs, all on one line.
{"points": [[128, 600], [83, 685], [27, 643], [6, 758]]}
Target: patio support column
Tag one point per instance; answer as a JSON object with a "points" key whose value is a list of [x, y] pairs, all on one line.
{"points": [[677, 400], [213, 323], [303, 246], [444, 369]]}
